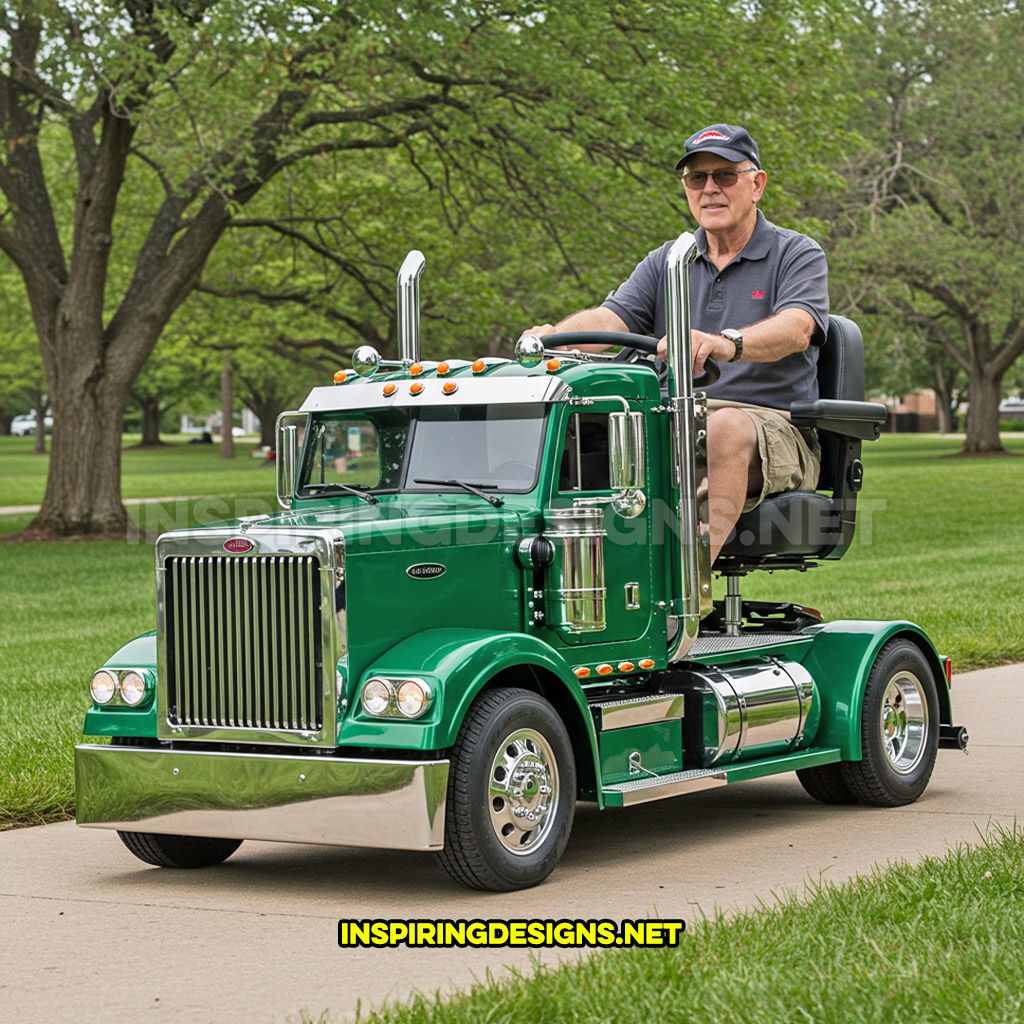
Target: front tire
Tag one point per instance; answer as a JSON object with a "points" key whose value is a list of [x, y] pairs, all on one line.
{"points": [[511, 793], [179, 851], [899, 728]]}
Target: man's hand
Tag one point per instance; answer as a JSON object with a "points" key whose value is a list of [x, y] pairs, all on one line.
{"points": [[704, 345], [540, 330]]}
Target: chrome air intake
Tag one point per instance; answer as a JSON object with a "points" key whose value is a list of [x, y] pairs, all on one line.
{"points": [[576, 594]]}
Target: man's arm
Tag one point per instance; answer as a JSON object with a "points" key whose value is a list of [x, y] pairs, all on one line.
{"points": [[766, 341], [598, 319]]}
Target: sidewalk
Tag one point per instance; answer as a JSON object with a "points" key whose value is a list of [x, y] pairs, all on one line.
{"points": [[11, 510], [94, 936]]}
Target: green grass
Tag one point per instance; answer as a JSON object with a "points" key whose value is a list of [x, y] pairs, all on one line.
{"points": [[176, 469], [943, 546], [939, 942]]}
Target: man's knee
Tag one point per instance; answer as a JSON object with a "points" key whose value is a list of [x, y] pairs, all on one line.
{"points": [[731, 432]]}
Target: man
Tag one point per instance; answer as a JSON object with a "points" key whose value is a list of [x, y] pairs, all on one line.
{"points": [[759, 306]]}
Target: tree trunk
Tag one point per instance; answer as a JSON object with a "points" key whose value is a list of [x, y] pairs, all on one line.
{"points": [[227, 412], [983, 414], [151, 413], [267, 410], [83, 486], [943, 394]]}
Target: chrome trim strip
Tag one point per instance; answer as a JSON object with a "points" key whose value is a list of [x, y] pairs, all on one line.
{"points": [[368, 393], [338, 801], [619, 714]]}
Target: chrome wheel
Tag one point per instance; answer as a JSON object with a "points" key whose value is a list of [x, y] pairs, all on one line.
{"points": [[904, 722], [523, 791]]}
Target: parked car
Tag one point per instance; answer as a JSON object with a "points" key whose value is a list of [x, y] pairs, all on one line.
{"points": [[25, 426]]}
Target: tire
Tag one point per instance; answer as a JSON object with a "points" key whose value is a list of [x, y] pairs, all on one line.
{"points": [[179, 851], [899, 729], [491, 842], [826, 784]]}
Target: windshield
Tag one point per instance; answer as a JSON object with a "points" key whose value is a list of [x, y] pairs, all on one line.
{"points": [[497, 447]]}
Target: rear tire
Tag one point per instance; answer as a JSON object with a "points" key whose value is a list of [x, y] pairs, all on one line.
{"points": [[899, 728], [179, 851], [826, 784], [511, 793]]}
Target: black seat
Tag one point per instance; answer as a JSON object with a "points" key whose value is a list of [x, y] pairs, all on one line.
{"points": [[795, 529]]}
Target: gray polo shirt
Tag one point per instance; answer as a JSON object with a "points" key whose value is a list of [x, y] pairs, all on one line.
{"points": [[778, 269]]}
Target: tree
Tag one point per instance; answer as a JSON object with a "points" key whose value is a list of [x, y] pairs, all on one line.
{"points": [[936, 226], [194, 106]]}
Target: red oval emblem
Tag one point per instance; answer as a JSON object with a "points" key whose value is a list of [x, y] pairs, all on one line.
{"points": [[238, 545]]}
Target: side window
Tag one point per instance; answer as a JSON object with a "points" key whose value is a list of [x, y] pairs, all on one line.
{"points": [[584, 465]]}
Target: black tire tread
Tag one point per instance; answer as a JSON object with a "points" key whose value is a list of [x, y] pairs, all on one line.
{"points": [[461, 856], [864, 779], [826, 784], [167, 851]]}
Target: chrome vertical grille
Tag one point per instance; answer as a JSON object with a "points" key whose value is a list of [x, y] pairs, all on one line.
{"points": [[243, 642]]}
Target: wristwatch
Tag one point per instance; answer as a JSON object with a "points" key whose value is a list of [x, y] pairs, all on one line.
{"points": [[737, 339]]}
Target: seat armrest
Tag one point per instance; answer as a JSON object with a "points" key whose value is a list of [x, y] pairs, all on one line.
{"points": [[862, 420]]}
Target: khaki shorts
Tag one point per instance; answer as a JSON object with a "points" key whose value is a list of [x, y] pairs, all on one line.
{"points": [[790, 457]]}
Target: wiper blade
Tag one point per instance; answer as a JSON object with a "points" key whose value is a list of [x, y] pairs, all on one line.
{"points": [[348, 489], [471, 488]]}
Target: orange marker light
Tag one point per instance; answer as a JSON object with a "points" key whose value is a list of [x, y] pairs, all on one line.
{"points": [[626, 666], [647, 663], [581, 673], [553, 364], [415, 389], [416, 369], [479, 366], [603, 670], [449, 387], [339, 377], [443, 367], [390, 389]]}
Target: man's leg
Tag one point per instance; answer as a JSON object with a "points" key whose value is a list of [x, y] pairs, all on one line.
{"points": [[734, 471]]}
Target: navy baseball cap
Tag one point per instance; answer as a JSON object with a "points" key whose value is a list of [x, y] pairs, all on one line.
{"points": [[727, 140]]}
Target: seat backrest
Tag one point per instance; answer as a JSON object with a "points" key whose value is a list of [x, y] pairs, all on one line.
{"points": [[840, 375]]}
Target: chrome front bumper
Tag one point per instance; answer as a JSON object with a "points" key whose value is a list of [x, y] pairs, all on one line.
{"points": [[338, 801]]}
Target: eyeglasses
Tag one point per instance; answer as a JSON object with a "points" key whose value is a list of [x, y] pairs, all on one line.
{"points": [[696, 180]]}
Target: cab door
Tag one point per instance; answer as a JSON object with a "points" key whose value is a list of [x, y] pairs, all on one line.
{"points": [[584, 473]]}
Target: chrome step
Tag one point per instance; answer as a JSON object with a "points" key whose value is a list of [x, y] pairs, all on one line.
{"points": [[714, 644], [619, 714], [639, 791]]}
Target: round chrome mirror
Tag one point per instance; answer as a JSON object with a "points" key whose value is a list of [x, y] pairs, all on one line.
{"points": [[529, 350], [365, 360]]}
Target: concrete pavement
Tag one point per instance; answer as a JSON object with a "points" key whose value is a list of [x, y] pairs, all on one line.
{"points": [[90, 934]]}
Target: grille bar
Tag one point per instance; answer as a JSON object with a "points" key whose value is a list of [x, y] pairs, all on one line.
{"points": [[244, 642]]}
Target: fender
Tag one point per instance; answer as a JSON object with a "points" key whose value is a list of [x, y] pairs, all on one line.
{"points": [[458, 664], [847, 649], [122, 721]]}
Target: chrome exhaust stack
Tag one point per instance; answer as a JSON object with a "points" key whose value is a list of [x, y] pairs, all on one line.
{"points": [[409, 306], [693, 598]]}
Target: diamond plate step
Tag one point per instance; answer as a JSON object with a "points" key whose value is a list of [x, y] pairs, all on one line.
{"points": [[704, 645], [639, 791]]}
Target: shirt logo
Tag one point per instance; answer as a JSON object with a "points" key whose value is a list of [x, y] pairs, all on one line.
{"points": [[704, 136], [757, 295]]}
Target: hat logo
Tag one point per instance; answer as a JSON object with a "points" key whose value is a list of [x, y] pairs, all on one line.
{"points": [[705, 136]]}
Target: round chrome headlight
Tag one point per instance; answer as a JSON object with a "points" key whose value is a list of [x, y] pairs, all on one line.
{"points": [[103, 686], [412, 697], [133, 688], [376, 696]]}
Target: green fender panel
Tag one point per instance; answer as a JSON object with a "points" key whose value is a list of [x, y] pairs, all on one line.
{"points": [[840, 661], [458, 664], [122, 721]]}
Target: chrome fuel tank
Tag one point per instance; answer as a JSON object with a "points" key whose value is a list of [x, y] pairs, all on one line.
{"points": [[742, 711]]}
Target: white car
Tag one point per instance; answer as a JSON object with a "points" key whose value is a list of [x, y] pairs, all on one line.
{"points": [[25, 426]]}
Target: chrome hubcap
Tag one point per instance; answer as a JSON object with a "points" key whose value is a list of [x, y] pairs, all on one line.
{"points": [[523, 791], [904, 722]]}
